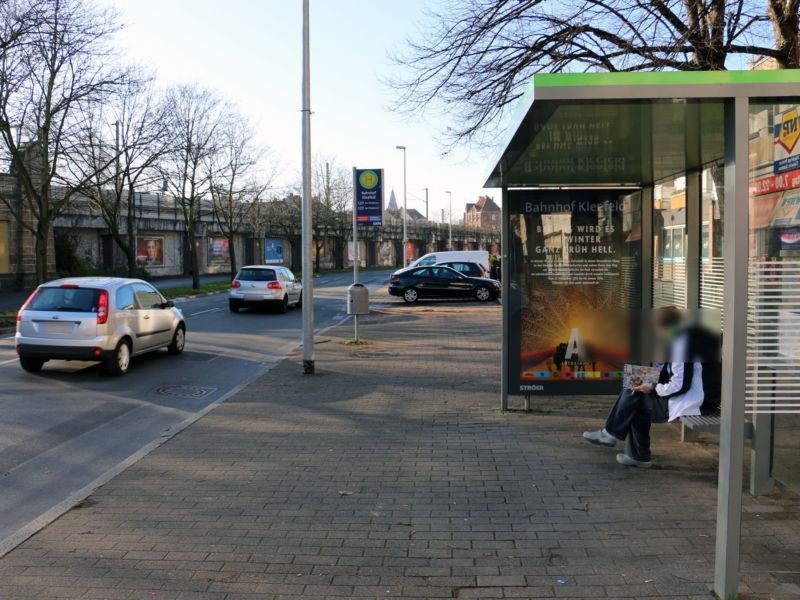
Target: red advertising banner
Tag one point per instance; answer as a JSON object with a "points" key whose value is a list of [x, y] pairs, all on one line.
{"points": [[761, 210], [775, 183]]}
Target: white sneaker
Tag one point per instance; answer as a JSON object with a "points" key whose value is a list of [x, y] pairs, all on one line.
{"points": [[628, 461], [600, 437]]}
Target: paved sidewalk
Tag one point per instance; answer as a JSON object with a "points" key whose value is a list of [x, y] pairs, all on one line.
{"points": [[392, 474]]}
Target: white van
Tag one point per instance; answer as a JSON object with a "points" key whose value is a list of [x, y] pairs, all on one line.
{"points": [[435, 258]]}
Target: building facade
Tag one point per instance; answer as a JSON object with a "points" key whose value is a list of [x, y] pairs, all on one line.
{"points": [[484, 213]]}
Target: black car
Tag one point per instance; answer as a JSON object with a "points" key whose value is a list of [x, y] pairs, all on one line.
{"points": [[440, 282], [470, 269]]}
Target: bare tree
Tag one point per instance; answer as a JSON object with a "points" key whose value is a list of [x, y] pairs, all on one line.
{"points": [[476, 56], [785, 18], [121, 144], [18, 19], [283, 218], [237, 186], [335, 195], [322, 186], [62, 65], [332, 192], [193, 118]]}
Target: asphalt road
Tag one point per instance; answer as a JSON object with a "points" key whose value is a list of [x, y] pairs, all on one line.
{"points": [[72, 427]]}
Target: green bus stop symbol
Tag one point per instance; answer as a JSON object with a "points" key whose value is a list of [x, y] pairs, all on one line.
{"points": [[368, 179]]}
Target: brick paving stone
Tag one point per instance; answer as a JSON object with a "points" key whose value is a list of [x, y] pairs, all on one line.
{"points": [[393, 474]]}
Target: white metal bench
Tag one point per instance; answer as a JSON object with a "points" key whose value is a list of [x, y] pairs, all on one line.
{"points": [[709, 423], [761, 444]]}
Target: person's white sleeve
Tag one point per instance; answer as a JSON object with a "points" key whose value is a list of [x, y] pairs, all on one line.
{"points": [[675, 382]]}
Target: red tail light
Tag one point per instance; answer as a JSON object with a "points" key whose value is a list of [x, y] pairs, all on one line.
{"points": [[235, 284], [25, 305], [274, 285], [102, 308]]}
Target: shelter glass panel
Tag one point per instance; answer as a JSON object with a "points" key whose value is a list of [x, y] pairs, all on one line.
{"points": [[669, 242], [773, 351], [712, 262]]}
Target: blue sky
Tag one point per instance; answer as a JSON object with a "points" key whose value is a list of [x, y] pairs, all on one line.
{"points": [[250, 50]]}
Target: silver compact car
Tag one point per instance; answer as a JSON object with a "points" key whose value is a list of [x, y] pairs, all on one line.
{"points": [[106, 319], [261, 285]]}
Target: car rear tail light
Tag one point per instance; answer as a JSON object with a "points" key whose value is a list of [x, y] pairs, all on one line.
{"points": [[274, 285], [98, 352], [102, 308], [25, 305], [235, 284]]}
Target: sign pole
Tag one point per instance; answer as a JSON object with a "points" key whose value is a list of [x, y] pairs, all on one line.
{"points": [[305, 225], [367, 209], [356, 258]]}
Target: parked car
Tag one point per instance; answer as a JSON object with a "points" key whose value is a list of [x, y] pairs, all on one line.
{"points": [[106, 319], [470, 269], [437, 258], [265, 286], [440, 282]]}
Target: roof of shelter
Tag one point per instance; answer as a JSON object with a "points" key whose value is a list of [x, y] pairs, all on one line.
{"points": [[588, 129]]}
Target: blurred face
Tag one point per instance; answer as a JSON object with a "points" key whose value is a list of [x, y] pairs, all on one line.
{"points": [[151, 249]]}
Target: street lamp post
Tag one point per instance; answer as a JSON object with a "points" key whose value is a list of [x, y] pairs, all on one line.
{"points": [[405, 212], [305, 224], [450, 196]]}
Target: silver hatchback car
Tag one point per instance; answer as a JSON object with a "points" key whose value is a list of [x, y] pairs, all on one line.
{"points": [[106, 319], [263, 285]]}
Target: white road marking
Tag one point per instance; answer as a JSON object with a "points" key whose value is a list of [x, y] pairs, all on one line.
{"points": [[202, 312]]}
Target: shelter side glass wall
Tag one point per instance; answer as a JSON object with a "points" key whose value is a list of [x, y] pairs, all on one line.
{"points": [[712, 262], [669, 242], [773, 349], [710, 148]]}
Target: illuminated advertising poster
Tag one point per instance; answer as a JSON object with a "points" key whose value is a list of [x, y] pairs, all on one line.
{"points": [[218, 254], [575, 286], [273, 251], [150, 251]]}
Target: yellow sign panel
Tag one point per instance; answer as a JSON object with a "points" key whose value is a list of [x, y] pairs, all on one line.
{"points": [[789, 130], [368, 179]]}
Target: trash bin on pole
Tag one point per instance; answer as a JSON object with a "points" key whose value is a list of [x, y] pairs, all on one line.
{"points": [[357, 302]]}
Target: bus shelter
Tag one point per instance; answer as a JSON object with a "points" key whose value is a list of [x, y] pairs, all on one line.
{"points": [[630, 191]]}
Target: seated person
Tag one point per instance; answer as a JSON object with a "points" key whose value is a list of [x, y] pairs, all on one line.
{"points": [[679, 392]]}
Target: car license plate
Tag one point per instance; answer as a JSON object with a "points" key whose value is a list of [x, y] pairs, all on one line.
{"points": [[56, 327]]}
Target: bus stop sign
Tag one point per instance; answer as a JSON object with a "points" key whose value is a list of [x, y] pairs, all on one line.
{"points": [[369, 196]]}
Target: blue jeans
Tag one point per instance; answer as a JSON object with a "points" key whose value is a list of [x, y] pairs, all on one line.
{"points": [[630, 420]]}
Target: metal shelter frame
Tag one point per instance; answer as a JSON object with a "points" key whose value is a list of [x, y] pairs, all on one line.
{"points": [[735, 90]]}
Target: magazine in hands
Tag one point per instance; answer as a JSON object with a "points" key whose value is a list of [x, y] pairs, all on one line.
{"points": [[636, 375]]}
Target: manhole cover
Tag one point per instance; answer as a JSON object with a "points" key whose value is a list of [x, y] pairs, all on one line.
{"points": [[186, 391]]}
